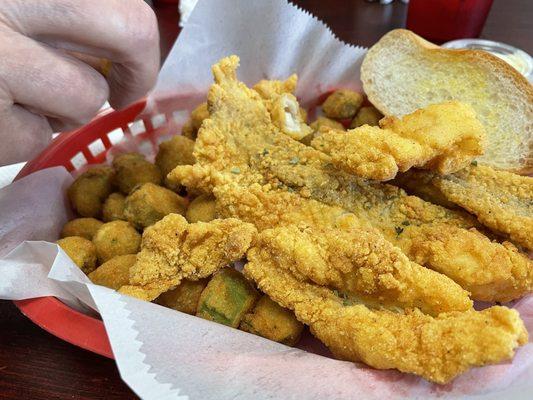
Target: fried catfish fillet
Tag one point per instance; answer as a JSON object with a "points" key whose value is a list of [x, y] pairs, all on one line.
{"points": [[240, 141], [441, 137], [501, 200], [334, 249], [441, 239], [173, 250], [360, 263], [436, 348]]}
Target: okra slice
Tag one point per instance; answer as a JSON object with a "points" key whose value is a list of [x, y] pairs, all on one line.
{"points": [[270, 320], [184, 297], [227, 298]]}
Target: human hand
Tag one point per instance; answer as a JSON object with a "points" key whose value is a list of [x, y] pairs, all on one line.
{"points": [[45, 87]]}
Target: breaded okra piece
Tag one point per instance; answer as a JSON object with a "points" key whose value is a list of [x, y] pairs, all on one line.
{"points": [[270, 320], [84, 227], [366, 116], [227, 298], [342, 104], [88, 192], [113, 209], [132, 170], [115, 272], [184, 297], [173, 152], [201, 209], [116, 239], [149, 203], [81, 251]]}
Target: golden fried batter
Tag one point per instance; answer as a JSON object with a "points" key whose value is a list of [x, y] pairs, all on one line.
{"points": [[173, 249], [361, 263], [441, 137], [240, 141], [501, 200], [81, 251], [436, 348], [84, 227], [115, 272], [89, 191]]}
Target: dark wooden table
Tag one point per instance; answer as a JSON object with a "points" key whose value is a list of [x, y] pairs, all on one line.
{"points": [[37, 365]]}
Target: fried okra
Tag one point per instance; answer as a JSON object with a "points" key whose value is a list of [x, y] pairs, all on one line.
{"points": [[132, 170], [149, 203], [88, 192], [342, 104], [115, 272], [84, 227], [190, 129], [174, 152], [113, 208], [82, 251], [184, 297], [326, 122], [201, 209], [270, 320], [227, 298], [116, 238], [366, 116]]}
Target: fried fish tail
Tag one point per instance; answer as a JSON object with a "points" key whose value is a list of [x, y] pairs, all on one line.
{"points": [[436, 348]]}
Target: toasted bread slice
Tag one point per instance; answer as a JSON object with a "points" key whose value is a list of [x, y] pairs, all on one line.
{"points": [[403, 72]]}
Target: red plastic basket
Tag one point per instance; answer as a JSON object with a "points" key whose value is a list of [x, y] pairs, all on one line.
{"points": [[74, 150]]}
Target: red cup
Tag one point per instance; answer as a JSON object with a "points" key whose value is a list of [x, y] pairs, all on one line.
{"points": [[442, 20]]}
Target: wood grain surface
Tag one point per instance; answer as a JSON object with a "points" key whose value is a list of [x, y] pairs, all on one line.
{"points": [[37, 365]]}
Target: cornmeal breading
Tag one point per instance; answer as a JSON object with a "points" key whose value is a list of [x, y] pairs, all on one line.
{"points": [[173, 249], [326, 247], [241, 143], [362, 264], [501, 200], [436, 348], [441, 137]]}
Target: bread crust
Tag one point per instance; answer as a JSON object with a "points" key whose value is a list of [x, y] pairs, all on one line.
{"points": [[484, 60]]}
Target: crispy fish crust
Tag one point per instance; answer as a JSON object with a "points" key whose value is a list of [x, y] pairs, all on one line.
{"points": [[441, 137], [173, 250], [361, 263], [240, 141], [436, 348], [501, 200]]}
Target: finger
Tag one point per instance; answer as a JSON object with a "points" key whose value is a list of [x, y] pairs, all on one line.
{"points": [[51, 83], [125, 32], [59, 125], [102, 65], [23, 134]]}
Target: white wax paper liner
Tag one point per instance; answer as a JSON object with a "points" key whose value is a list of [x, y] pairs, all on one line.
{"points": [[164, 354]]}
